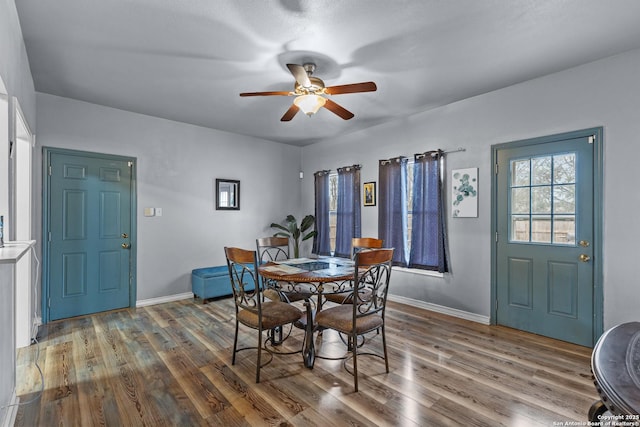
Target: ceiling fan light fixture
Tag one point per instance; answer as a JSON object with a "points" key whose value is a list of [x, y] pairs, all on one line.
{"points": [[309, 104], [308, 91]]}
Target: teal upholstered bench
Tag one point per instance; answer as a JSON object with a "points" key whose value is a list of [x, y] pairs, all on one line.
{"points": [[211, 282]]}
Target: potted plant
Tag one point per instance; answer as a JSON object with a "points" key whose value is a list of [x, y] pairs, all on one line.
{"points": [[291, 230]]}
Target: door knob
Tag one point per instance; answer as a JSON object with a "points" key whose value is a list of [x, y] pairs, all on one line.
{"points": [[584, 257], [125, 235], [584, 243], [126, 246]]}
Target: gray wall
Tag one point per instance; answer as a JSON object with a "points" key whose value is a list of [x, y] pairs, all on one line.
{"points": [[177, 165], [14, 64], [603, 93]]}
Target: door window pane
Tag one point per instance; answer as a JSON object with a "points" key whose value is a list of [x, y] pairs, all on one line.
{"points": [[520, 200], [541, 229], [564, 229], [564, 169], [520, 228], [541, 170], [543, 200], [520, 173], [564, 199]]}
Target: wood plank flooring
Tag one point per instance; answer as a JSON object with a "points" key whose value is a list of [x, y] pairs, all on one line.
{"points": [[170, 365]]}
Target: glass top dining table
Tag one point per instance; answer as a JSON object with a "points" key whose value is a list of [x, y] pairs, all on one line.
{"points": [[311, 277]]}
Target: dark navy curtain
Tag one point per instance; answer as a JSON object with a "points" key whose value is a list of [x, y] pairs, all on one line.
{"points": [[428, 235], [392, 209], [321, 241], [348, 210]]}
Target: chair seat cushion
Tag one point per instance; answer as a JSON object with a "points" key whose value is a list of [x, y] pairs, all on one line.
{"points": [[283, 296], [347, 297], [295, 296], [274, 313], [341, 319], [272, 294]]}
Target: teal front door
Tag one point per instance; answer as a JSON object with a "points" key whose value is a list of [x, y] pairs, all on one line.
{"points": [[88, 221], [545, 237]]}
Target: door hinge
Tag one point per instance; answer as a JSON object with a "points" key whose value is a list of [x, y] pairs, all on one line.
{"points": [[496, 172], [49, 236], [130, 164], [592, 139], [496, 237], [50, 170], [49, 303]]}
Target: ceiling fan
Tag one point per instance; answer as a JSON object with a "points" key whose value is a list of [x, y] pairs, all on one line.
{"points": [[308, 91]]}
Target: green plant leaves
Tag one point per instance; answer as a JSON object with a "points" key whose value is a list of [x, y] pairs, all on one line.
{"points": [[292, 231], [274, 225]]}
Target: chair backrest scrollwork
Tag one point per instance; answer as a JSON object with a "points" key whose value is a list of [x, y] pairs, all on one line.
{"points": [[272, 249], [372, 275], [243, 272]]}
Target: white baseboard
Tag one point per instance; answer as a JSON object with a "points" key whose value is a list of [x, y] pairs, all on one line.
{"points": [[396, 298], [160, 300], [441, 309], [12, 411]]}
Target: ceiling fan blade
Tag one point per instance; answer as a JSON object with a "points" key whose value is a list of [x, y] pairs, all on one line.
{"points": [[337, 109], [290, 113], [300, 74], [351, 88], [281, 93]]}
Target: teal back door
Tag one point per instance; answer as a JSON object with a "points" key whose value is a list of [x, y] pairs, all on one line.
{"points": [[545, 240], [88, 219]]}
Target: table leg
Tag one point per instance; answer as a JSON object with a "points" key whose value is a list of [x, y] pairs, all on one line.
{"points": [[596, 410], [308, 349]]}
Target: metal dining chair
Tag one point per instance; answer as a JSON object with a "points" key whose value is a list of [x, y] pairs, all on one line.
{"points": [[272, 249], [366, 313], [358, 244], [362, 243], [251, 310]]}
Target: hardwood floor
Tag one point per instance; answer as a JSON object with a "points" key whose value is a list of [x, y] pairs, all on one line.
{"points": [[170, 364]]}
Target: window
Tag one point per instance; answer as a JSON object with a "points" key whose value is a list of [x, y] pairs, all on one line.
{"points": [[543, 200], [321, 241], [410, 164], [429, 242], [333, 209], [348, 209], [392, 207], [344, 209], [411, 211]]}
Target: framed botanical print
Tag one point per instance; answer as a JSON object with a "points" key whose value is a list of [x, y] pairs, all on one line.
{"points": [[464, 193]]}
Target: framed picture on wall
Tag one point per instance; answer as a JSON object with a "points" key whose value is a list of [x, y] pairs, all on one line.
{"points": [[227, 194], [369, 193], [464, 193]]}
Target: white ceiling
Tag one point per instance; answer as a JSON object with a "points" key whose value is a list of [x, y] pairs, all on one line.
{"points": [[188, 60]]}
